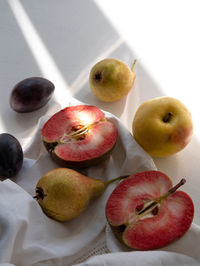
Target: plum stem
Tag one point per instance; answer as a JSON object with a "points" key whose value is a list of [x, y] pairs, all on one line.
{"points": [[115, 179], [150, 205]]}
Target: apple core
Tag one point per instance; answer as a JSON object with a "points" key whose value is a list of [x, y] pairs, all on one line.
{"points": [[79, 136]]}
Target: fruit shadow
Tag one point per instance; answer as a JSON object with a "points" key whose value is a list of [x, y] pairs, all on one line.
{"points": [[76, 35], [144, 88], [83, 91], [22, 125], [73, 32], [88, 23], [184, 164], [18, 63], [181, 164]]}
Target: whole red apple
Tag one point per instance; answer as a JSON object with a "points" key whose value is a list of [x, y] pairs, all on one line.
{"points": [[162, 126]]}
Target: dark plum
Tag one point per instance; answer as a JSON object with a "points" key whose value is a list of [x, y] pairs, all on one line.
{"points": [[11, 156], [31, 94]]}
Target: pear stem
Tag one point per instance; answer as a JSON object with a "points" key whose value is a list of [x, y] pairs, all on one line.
{"points": [[114, 179], [133, 65]]}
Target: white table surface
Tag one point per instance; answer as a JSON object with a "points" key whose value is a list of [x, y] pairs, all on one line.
{"points": [[62, 40]]}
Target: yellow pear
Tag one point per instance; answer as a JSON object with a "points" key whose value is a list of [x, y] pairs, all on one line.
{"points": [[64, 194], [111, 79]]}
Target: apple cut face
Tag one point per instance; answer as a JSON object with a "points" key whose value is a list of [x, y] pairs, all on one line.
{"points": [[79, 136], [144, 215]]}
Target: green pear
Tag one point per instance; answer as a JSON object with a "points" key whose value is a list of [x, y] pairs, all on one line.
{"points": [[64, 194], [111, 79]]}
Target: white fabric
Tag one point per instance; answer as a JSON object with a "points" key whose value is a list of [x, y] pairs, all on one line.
{"points": [[141, 258], [29, 238], [187, 245]]}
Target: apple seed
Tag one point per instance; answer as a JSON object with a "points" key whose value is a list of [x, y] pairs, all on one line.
{"points": [[155, 210], [153, 206], [139, 207]]}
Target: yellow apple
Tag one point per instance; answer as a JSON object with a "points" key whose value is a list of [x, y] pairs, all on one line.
{"points": [[111, 79], [162, 126]]}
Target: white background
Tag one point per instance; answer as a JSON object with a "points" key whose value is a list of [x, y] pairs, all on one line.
{"points": [[61, 40]]}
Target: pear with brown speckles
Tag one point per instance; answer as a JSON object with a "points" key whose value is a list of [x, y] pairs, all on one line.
{"points": [[64, 194]]}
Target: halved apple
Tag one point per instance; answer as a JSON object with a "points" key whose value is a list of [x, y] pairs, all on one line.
{"points": [[146, 212], [79, 136]]}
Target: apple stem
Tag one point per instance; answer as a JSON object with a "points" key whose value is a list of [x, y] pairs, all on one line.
{"points": [[171, 191], [115, 179], [167, 117], [133, 65], [181, 183], [151, 205]]}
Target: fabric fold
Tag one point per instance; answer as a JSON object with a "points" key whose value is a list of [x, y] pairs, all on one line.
{"points": [[29, 238]]}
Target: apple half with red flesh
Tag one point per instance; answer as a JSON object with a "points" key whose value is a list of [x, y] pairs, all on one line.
{"points": [[145, 212], [79, 136]]}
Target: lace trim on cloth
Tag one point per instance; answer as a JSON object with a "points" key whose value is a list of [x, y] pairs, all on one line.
{"points": [[99, 248]]}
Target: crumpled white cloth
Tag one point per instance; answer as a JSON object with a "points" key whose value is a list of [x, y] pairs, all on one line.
{"points": [[141, 258], [29, 238]]}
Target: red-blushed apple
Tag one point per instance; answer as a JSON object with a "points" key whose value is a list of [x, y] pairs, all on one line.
{"points": [[146, 212], [162, 126], [79, 136]]}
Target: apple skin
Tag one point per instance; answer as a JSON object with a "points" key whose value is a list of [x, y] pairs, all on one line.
{"points": [[111, 79], [89, 148], [155, 227], [162, 126]]}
